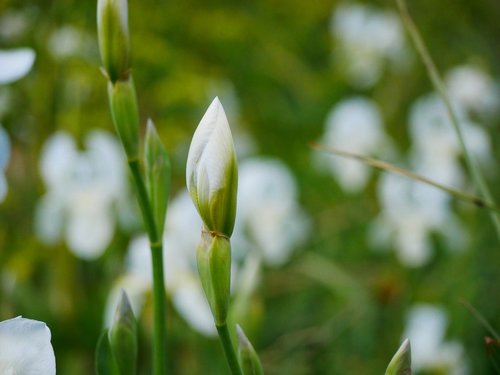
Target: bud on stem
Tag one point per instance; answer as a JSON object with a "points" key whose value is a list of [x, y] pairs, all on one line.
{"points": [[114, 44], [123, 105], [214, 266], [211, 171]]}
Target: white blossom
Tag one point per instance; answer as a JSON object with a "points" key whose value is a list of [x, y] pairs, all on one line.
{"points": [[270, 221], [367, 40], [25, 348], [353, 125], [82, 188]]}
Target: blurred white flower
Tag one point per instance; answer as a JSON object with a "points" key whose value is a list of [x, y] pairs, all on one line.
{"points": [[26, 348], [15, 64], [353, 125], [270, 220], [367, 39], [426, 328], [411, 212], [435, 148], [472, 90], [82, 189], [4, 158], [69, 41]]}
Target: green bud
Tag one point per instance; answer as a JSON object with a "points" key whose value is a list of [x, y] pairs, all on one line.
{"points": [[123, 103], [105, 363], [114, 44], [401, 362], [157, 175], [247, 356], [123, 337], [214, 266]]}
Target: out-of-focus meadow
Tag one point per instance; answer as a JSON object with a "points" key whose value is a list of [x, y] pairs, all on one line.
{"points": [[334, 262]]}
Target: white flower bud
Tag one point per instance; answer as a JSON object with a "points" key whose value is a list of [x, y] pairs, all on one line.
{"points": [[211, 172]]}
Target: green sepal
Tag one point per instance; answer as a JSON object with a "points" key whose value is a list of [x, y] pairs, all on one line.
{"points": [[222, 209], [125, 113], [247, 356], [157, 165], [113, 35], [123, 337], [214, 266], [401, 362], [105, 363]]}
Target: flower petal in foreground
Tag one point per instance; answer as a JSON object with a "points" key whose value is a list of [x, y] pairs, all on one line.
{"points": [[25, 348]]}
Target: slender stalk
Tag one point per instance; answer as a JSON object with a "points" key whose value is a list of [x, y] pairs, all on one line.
{"points": [[227, 344], [437, 81], [159, 337]]}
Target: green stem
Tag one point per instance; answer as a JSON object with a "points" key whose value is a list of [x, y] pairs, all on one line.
{"points": [[232, 359], [437, 81], [159, 337]]}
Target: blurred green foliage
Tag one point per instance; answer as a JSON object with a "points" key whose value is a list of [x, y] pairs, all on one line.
{"points": [[336, 307]]}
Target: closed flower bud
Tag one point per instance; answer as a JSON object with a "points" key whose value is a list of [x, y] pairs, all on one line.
{"points": [[214, 266], [123, 337], [114, 44], [211, 172], [248, 358], [123, 103], [157, 175], [401, 362]]}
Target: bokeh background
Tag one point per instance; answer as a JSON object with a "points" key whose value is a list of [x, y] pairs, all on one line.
{"points": [[334, 262]]}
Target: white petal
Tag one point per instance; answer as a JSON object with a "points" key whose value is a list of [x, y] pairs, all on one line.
{"points": [[25, 348], [3, 186], [191, 303], [354, 125], [57, 160], [49, 218], [15, 64], [89, 233], [4, 148]]}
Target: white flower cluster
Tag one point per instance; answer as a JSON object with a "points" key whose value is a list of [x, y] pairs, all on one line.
{"points": [[83, 189], [411, 211], [367, 40], [269, 225], [430, 351]]}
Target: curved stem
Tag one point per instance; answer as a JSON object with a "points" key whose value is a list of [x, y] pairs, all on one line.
{"points": [[227, 344], [159, 330]]}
